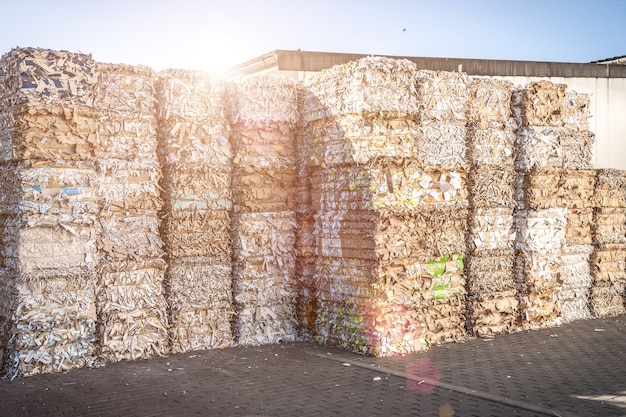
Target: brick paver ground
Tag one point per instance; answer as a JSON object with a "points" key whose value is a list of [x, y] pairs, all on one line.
{"points": [[577, 369]]}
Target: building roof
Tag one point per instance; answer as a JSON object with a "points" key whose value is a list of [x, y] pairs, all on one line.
{"points": [[308, 61], [620, 60]]}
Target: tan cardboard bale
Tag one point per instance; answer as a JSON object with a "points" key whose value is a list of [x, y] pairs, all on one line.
{"points": [[264, 285], [493, 313], [197, 233], [539, 103], [578, 228], [541, 309], [54, 132]]}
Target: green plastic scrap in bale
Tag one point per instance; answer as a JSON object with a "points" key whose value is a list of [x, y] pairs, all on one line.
{"points": [[446, 271]]}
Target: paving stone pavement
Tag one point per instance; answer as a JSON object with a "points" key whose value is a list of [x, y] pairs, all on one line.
{"points": [[577, 369]]}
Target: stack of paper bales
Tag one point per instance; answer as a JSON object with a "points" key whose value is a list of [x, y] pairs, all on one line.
{"points": [[608, 261], [306, 242], [554, 194], [264, 116], [389, 196], [48, 211], [130, 303], [196, 157], [492, 295]]}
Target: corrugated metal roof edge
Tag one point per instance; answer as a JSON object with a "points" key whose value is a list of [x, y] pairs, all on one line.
{"points": [[310, 61]]}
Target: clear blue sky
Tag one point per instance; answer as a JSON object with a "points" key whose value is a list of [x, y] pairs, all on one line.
{"points": [[214, 35]]}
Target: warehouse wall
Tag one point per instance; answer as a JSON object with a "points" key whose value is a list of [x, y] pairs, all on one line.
{"points": [[608, 121]]}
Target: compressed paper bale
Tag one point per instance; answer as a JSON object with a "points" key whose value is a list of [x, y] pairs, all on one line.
{"points": [[537, 271], [541, 230], [263, 190], [128, 186], [28, 249], [490, 272], [306, 303], [577, 147], [195, 233], [444, 96], [264, 285], [50, 325], [606, 300], [492, 146], [576, 110], [578, 228], [54, 132], [126, 105], [441, 144], [375, 308], [544, 188], [490, 102], [610, 190], [42, 193], [360, 138], [576, 282], [190, 95], [539, 103], [493, 187], [306, 239], [493, 313], [380, 329], [125, 89], [46, 76], [445, 320], [491, 229], [260, 98], [388, 186], [132, 314], [609, 225], [197, 187], [541, 309], [56, 347], [538, 146], [199, 294], [128, 238], [367, 85], [608, 263], [262, 325], [196, 328], [421, 234]]}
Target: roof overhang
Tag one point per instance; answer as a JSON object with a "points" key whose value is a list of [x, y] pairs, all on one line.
{"points": [[308, 61]]}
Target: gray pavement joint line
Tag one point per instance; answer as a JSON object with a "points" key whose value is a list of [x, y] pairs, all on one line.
{"points": [[457, 388]]}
